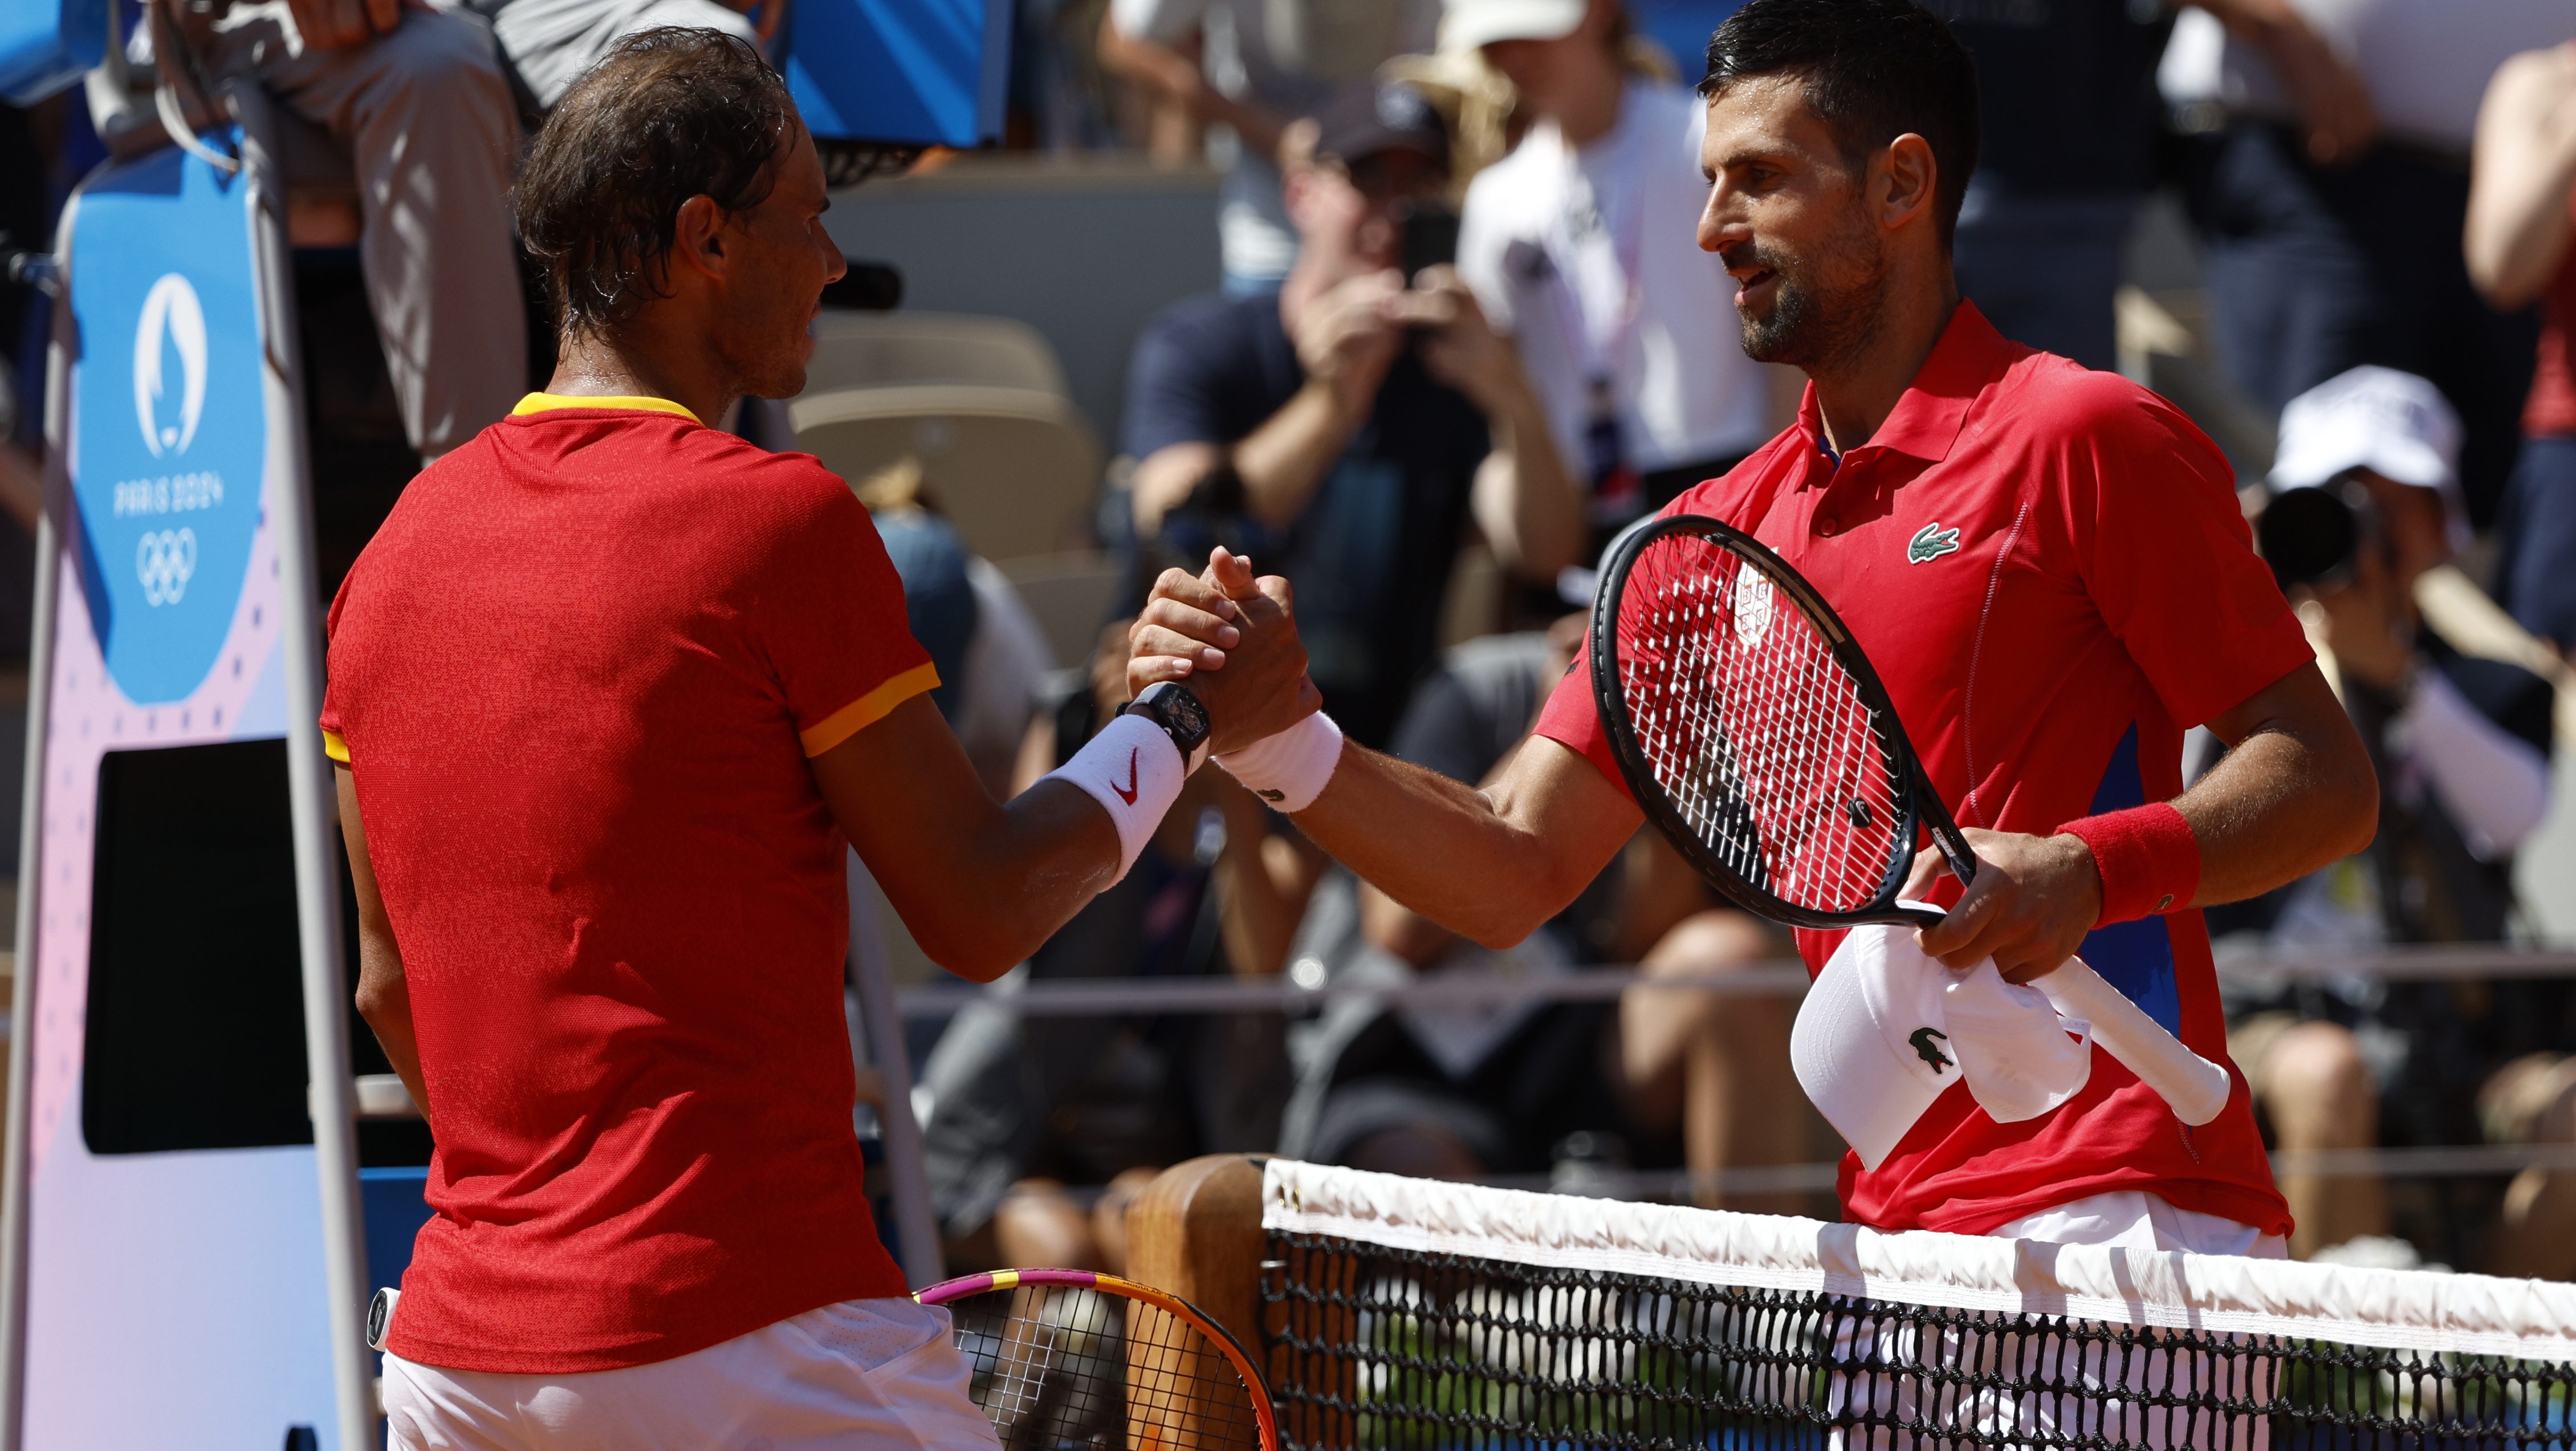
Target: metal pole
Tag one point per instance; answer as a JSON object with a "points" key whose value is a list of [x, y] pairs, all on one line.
{"points": [[312, 794], [907, 1168], [22, 1008]]}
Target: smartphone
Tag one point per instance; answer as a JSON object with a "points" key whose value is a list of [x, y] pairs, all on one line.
{"points": [[1430, 239]]}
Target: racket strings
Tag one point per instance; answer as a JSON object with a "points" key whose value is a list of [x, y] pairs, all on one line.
{"points": [[1059, 1367], [1755, 730]]}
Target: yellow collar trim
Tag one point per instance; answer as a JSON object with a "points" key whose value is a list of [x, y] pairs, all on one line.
{"points": [[548, 402]]}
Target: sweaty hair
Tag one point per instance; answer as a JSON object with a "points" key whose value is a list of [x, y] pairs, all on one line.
{"points": [[1873, 69], [668, 115]]}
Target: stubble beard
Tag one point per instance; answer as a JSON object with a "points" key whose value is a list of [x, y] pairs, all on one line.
{"points": [[1813, 324]]}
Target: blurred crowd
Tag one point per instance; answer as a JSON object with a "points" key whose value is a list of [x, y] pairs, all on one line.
{"points": [[1463, 314]]}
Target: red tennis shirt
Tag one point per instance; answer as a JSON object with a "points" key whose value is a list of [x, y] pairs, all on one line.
{"points": [[2047, 567], [577, 676]]}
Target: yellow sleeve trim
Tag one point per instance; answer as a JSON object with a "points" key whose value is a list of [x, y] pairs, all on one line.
{"points": [[334, 747], [548, 402], [868, 709]]}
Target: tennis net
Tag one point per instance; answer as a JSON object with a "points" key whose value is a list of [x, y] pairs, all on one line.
{"points": [[1400, 1313]]}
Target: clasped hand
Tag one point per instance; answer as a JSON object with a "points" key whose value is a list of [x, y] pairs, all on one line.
{"points": [[1194, 627]]}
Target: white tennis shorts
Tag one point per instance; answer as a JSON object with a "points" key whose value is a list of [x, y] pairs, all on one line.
{"points": [[862, 1373]]}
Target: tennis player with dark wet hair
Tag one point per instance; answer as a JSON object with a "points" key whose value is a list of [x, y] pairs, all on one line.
{"points": [[614, 693], [2048, 569]]}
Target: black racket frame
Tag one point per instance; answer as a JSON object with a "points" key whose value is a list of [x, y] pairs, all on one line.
{"points": [[1919, 805]]}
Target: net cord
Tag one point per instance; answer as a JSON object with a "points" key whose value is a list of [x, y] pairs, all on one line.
{"points": [[2416, 1310]]}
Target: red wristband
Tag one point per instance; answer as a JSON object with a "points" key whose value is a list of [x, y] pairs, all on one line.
{"points": [[2146, 857]]}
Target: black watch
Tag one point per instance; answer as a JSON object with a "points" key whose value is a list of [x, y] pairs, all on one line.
{"points": [[1171, 706]]}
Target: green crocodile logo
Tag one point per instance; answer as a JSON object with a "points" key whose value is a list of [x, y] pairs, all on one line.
{"points": [[1931, 542], [1922, 1041]]}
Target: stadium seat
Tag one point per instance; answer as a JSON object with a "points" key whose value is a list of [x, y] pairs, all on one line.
{"points": [[1014, 468], [1069, 594], [874, 349], [974, 408]]}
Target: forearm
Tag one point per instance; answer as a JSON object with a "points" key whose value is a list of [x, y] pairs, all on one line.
{"points": [[2276, 808], [1012, 881], [2525, 164], [1283, 461], [384, 1000], [1159, 68], [1525, 501], [383, 997], [979, 883], [2512, 258], [1482, 863]]}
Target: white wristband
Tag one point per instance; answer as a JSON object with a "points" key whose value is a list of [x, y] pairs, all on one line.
{"points": [[1135, 772], [1289, 770]]}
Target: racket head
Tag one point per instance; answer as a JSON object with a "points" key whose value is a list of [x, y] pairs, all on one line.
{"points": [[1751, 729], [1075, 1358]]}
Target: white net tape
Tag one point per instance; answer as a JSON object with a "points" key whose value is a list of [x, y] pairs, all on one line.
{"points": [[2532, 1320]]}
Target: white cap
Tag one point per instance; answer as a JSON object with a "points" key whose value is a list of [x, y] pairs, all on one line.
{"points": [[2012, 1045], [1874, 1044], [2394, 424], [1871, 1044], [1468, 24]]}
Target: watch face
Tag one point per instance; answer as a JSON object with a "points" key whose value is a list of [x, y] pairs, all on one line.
{"points": [[1184, 712]]}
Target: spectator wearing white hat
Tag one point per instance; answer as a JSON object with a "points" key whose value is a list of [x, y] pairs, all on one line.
{"points": [[2365, 499], [1582, 243]]}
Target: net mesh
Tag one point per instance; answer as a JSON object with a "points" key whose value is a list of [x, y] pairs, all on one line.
{"points": [[1059, 1367], [1756, 733], [1416, 1344]]}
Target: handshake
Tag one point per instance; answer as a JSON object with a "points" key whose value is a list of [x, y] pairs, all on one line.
{"points": [[1231, 640]]}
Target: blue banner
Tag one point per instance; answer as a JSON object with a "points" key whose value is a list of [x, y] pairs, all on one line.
{"points": [[172, 436], [909, 72]]}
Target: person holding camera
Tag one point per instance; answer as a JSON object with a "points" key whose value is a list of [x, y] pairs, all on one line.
{"points": [[1582, 243], [1346, 431], [2366, 500]]}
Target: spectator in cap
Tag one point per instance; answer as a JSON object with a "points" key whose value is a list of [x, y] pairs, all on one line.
{"points": [[1346, 431], [2365, 500], [1582, 244], [1252, 66]]}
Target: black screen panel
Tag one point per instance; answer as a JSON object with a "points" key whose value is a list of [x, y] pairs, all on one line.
{"points": [[195, 1031]]}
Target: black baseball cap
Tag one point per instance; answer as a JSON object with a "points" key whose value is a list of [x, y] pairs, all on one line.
{"points": [[1368, 117]]}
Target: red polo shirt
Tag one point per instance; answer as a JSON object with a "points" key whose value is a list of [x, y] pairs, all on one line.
{"points": [[577, 676], [2048, 569]]}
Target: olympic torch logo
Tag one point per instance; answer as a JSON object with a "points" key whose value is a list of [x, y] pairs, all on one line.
{"points": [[163, 560], [170, 312]]}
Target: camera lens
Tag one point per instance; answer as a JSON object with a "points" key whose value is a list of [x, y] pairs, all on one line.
{"points": [[2309, 537]]}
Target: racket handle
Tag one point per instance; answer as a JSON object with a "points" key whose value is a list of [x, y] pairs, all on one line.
{"points": [[2194, 1087]]}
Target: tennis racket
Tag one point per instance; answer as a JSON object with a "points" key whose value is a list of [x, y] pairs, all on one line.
{"points": [[1755, 735], [1068, 1358]]}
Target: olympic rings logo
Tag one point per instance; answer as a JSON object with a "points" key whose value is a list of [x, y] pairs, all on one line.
{"points": [[163, 561]]}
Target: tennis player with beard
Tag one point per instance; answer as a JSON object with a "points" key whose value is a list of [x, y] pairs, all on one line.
{"points": [[614, 694], [2048, 569]]}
